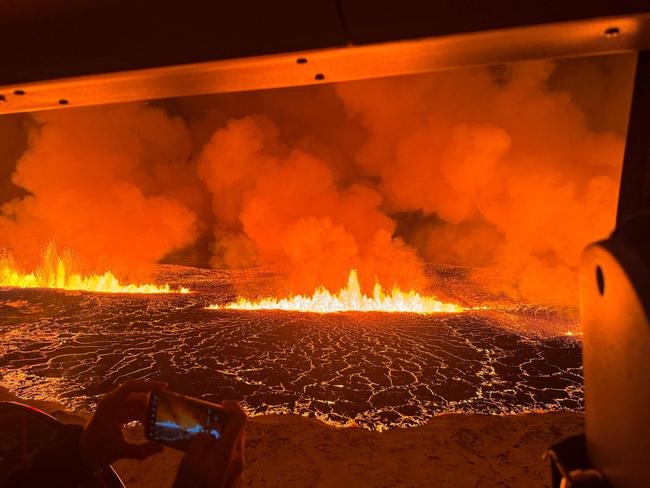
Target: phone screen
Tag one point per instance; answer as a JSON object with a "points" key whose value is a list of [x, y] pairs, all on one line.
{"points": [[175, 419]]}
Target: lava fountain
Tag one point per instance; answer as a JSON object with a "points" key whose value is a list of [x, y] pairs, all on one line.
{"points": [[55, 273], [349, 299]]}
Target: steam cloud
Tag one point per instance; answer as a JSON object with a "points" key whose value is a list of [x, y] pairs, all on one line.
{"points": [[514, 168]]}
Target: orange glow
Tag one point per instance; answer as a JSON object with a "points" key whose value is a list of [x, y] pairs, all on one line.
{"points": [[349, 299], [54, 273]]}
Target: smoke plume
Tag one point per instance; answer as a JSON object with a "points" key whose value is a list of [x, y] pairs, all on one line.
{"points": [[510, 168], [106, 183], [283, 205]]}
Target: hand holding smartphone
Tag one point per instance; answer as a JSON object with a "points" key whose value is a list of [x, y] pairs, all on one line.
{"points": [[174, 419]]}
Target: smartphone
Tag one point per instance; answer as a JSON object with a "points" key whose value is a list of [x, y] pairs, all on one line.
{"points": [[174, 419]]}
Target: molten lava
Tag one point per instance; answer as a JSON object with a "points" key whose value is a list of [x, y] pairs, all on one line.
{"points": [[348, 299], [54, 273]]}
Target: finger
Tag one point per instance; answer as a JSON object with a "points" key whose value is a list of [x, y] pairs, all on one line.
{"points": [[190, 472], [237, 463], [132, 386], [198, 449], [235, 472], [221, 452], [239, 447], [140, 451], [235, 423], [234, 427]]}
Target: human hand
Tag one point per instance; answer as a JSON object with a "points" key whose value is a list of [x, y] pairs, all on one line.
{"points": [[215, 463], [102, 441]]}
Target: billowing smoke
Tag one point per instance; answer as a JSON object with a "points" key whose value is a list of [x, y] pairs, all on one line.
{"points": [[106, 183], [511, 168], [278, 204]]}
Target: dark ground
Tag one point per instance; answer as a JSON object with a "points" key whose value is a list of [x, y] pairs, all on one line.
{"points": [[376, 370]]}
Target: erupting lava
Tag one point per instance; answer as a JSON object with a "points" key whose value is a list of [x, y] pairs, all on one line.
{"points": [[348, 299], [53, 274]]}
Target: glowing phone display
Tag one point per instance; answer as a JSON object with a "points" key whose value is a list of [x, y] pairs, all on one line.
{"points": [[174, 419]]}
